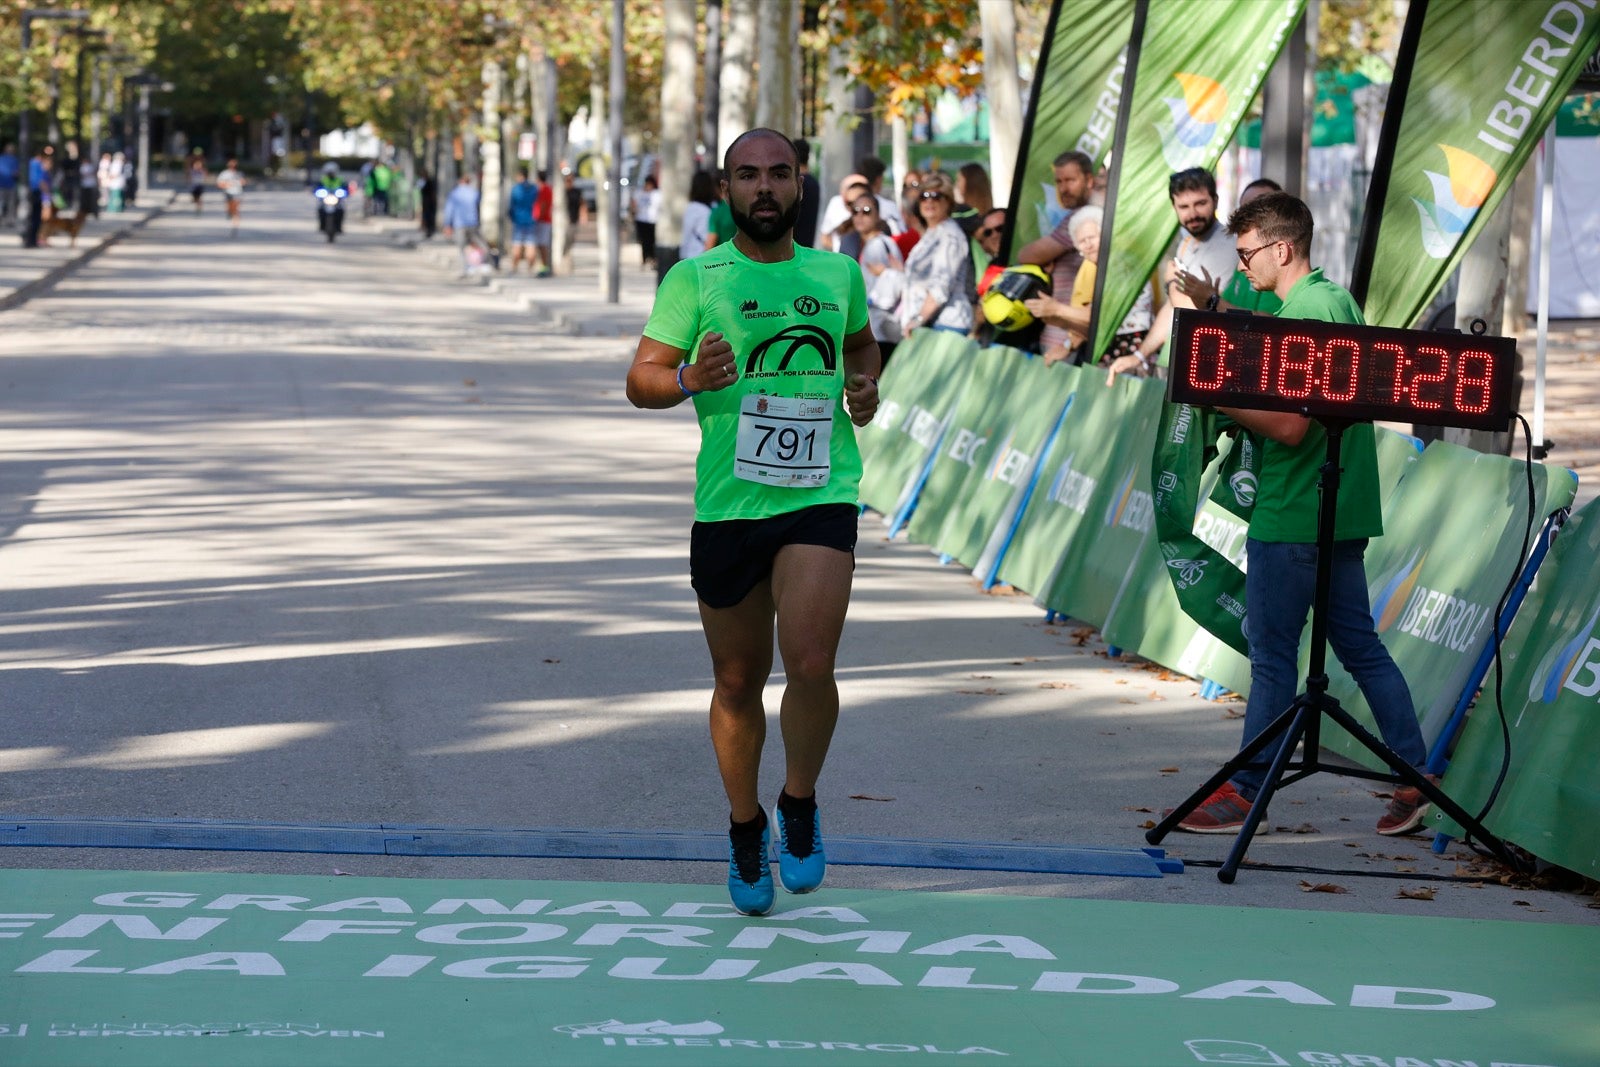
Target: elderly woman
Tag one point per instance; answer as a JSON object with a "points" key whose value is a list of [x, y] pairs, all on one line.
{"points": [[939, 270], [1084, 229]]}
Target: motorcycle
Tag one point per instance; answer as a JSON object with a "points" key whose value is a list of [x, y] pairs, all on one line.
{"points": [[330, 210]]}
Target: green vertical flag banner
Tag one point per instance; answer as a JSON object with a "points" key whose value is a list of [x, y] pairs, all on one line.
{"points": [[1550, 802], [990, 452], [1487, 79], [1074, 106], [923, 385], [1452, 534], [1198, 67]]}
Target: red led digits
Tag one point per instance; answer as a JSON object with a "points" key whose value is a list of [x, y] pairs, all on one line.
{"points": [[1335, 369], [1481, 385], [1296, 376], [1431, 378], [1397, 392], [1217, 363]]}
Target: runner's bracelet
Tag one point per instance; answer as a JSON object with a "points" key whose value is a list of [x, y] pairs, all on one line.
{"points": [[681, 387]]}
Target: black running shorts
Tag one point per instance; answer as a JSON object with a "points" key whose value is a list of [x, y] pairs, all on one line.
{"points": [[728, 559]]}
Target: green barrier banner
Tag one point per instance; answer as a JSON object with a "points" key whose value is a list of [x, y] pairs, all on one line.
{"points": [[989, 454], [1098, 565], [1159, 630], [1082, 60], [918, 394], [1550, 802], [1070, 475], [1198, 67], [1487, 80], [1452, 534]]}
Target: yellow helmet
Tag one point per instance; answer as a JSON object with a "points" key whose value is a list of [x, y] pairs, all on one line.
{"points": [[1003, 305]]}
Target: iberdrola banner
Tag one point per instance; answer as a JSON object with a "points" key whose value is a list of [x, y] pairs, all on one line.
{"points": [[1487, 79], [1193, 74], [1074, 106], [1550, 802], [1208, 582]]}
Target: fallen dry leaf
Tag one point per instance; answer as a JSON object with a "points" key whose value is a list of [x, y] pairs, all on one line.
{"points": [[991, 691], [1322, 887], [1126, 700], [1148, 824], [1057, 685], [549, 660], [1303, 828], [1523, 903], [1420, 893], [469, 381], [1156, 696], [1229, 713], [1139, 809], [868, 796], [1052, 631], [1169, 770], [1024, 659], [980, 677]]}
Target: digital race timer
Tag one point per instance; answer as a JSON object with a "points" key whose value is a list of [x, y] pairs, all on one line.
{"points": [[1340, 371]]}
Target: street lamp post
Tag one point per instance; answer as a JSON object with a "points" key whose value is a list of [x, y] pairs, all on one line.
{"points": [[147, 82]]}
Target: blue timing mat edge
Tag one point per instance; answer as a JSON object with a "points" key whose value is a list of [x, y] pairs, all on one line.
{"points": [[223, 835]]}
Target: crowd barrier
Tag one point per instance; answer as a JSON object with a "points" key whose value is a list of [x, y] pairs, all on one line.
{"points": [[1040, 477]]}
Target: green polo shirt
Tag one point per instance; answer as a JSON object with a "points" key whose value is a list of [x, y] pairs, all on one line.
{"points": [[1286, 496]]}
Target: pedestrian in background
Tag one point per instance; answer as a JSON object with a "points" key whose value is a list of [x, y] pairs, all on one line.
{"points": [[524, 194], [543, 216], [428, 202], [88, 188], [231, 184], [805, 224], [461, 222], [116, 183], [197, 178], [646, 207], [38, 196], [9, 169], [697, 216]]}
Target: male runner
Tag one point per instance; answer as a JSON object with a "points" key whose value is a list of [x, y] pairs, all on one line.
{"points": [[772, 342]]}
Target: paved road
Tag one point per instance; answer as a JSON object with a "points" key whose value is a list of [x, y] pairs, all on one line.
{"points": [[318, 534]]}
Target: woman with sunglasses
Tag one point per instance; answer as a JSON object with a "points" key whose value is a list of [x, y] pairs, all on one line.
{"points": [[939, 270], [882, 270], [907, 239]]}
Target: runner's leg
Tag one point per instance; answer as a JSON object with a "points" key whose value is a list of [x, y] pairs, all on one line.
{"points": [[740, 640], [811, 591]]}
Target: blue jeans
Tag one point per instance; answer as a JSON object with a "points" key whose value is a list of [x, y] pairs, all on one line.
{"points": [[1279, 588]]}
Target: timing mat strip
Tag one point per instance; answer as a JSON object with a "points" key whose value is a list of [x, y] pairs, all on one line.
{"points": [[223, 835]]}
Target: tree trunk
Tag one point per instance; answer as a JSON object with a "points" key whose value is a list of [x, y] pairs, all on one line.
{"points": [[708, 121], [838, 130], [677, 126], [597, 123], [1004, 91], [1481, 294], [491, 214], [738, 63]]}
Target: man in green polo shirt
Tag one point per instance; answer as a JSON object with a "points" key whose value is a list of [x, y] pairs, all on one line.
{"points": [[1273, 236], [773, 343]]}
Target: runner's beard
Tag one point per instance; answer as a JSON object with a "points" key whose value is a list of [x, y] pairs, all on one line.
{"points": [[763, 230]]}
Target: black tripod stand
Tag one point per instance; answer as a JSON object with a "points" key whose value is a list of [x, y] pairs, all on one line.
{"points": [[1302, 721]]}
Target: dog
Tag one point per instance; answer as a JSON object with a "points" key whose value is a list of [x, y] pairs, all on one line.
{"points": [[59, 223]]}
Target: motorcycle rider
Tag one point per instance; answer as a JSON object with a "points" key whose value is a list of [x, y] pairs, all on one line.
{"points": [[331, 182]]}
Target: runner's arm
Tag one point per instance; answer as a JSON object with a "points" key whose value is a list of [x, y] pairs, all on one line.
{"points": [[653, 379], [862, 363]]}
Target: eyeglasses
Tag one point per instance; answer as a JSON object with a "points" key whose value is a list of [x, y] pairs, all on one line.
{"points": [[864, 209], [933, 194], [988, 231], [1245, 254]]}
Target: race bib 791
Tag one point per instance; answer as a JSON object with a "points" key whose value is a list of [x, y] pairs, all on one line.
{"points": [[784, 440]]}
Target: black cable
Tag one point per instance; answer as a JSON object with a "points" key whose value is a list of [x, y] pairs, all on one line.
{"points": [[1499, 666]]}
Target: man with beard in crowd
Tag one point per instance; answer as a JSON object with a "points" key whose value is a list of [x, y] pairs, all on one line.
{"points": [[772, 342]]}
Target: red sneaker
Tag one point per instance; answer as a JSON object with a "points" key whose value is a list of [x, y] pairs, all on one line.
{"points": [[1407, 808], [1222, 813]]}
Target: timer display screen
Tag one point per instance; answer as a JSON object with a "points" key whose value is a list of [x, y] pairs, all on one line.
{"points": [[1337, 370]]}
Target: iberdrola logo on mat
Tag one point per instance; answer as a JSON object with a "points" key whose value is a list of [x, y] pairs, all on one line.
{"points": [[1195, 118], [1456, 200], [1556, 666], [1395, 592]]}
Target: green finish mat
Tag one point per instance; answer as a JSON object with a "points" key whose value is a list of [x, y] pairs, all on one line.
{"points": [[114, 968]]}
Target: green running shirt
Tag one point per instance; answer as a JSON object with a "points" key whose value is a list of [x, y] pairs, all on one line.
{"points": [[761, 438]]}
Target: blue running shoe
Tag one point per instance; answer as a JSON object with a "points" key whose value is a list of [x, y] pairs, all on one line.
{"points": [[749, 873], [802, 863]]}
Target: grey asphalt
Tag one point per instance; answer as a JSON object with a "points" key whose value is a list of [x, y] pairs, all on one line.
{"points": [[323, 534]]}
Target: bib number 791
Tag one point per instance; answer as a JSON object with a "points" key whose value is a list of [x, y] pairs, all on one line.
{"points": [[784, 441]]}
